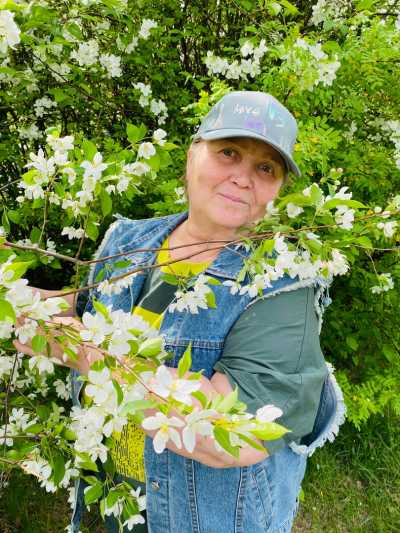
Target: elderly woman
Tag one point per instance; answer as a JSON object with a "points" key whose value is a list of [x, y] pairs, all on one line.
{"points": [[267, 346]]}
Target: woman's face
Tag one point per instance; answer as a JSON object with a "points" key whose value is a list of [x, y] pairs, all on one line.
{"points": [[230, 181]]}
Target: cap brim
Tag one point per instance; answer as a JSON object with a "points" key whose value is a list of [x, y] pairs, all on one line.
{"points": [[225, 133]]}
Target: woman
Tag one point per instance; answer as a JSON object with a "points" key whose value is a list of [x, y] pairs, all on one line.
{"points": [[266, 346]]}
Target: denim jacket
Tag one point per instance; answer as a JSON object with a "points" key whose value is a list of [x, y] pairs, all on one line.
{"points": [[185, 496]]}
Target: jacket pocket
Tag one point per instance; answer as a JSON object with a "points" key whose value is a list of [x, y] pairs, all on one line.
{"points": [[261, 496]]}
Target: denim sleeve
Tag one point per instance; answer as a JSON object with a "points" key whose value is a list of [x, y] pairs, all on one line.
{"points": [[272, 354]]}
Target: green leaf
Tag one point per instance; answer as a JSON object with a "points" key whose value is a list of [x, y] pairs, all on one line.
{"points": [[74, 30], [87, 464], [289, 8], [213, 281], [352, 342], [43, 412], [210, 299], [35, 235], [92, 231], [268, 246], [101, 308], [137, 405], [133, 133], [93, 493], [72, 355], [122, 264], [335, 202], [185, 361], [201, 397], [68, 434], [39, 343], [14, 216], [7, 313], [18, 269], [106, 202], [118, 390], [252, 443], [363, 5], [170, 278], [112, 498], [269, 431], [151, 347], [58, 466], [390, 353], [365, 241], [34, 429], [154, 162], [228, 402], [222, 437], [274, 8], [5, 221], [89, 149]]}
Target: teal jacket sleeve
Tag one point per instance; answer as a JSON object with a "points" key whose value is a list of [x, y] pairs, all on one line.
{"points": [[272, 354]]}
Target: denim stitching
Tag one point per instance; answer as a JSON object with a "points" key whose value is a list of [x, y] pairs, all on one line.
{"points": [[194, 515], [244, 471]]}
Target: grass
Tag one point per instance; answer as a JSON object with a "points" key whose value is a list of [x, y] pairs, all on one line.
{"points": [[351, 486]]}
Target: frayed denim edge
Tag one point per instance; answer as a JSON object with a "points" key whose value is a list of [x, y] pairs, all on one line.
{"points": [[332, 431]]}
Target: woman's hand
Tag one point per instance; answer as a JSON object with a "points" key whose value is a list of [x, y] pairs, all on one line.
{"points": [[86, 354]]}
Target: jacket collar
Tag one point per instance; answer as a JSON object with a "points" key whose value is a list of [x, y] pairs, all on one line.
{"points": [[227, 264]]}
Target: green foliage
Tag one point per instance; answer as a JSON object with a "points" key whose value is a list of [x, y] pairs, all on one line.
{"points": [[347, 123]]}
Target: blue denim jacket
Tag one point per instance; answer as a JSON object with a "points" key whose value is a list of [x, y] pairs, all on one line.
{"points": [[183, 495]]}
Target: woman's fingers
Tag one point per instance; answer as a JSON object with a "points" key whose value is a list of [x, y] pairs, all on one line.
{"points": [[24, 348]]}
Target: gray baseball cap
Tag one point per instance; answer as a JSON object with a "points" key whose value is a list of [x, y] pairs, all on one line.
{"points": [[256, 115]]}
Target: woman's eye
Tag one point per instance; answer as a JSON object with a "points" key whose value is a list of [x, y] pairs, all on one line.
{"points": [[267, 168], [228, 152]]}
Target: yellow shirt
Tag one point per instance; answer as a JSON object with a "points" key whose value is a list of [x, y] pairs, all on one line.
{"points": [[127, 451]]}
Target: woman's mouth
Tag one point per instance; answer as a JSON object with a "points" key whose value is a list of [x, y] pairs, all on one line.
{"points": [[232, 198]]}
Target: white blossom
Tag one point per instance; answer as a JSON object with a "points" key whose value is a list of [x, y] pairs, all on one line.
{"points": [[146, 27], [87, 53], [197, 423], [44, 166], [60, 144], [9, 31], [63, 390], [166, 430], [159, 136], [268, 413], [73, 233], [112, 65], [95, 168], [96, 328], [43, 364], [181, 195], [293, 210], [146, 150], [388, 228], [43, 105], [31, 132], [138, 168], [27, 331], [344, 217], [338, 265], [165, 385], [385, 283], [271, 210], [247, 48]]}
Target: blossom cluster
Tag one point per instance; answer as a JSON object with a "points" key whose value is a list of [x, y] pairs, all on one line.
{"points": [[333, 11], [9, 31], [156, 107], [82, 179], [248, 66], [311, 64]]}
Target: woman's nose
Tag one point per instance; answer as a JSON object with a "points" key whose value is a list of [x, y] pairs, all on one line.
{"points": [[242, 178]]}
